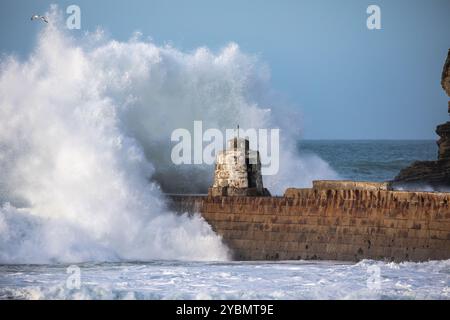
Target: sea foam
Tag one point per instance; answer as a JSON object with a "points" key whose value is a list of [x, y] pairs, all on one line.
{"points": [[85, 145]]}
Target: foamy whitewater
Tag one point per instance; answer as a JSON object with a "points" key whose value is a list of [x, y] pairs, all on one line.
{"points": [[230, 280], [85, 128]]}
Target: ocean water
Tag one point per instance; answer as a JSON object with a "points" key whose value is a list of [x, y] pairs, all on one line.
{"points": [[159, 279], [231, 280], [370, 160]]}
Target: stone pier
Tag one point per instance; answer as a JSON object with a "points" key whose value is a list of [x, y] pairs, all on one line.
{"points": [[331, 221]]}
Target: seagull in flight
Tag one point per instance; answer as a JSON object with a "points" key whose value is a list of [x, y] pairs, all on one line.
{"points": [[36, 17]]}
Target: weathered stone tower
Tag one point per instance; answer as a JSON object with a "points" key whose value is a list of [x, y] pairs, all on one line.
{"points": [[238, 171], [432, 173]]}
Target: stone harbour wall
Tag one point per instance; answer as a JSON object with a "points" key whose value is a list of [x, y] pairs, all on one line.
{"points": [[329, 224]]}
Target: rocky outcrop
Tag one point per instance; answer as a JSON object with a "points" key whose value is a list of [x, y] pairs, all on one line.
{"points": [[435, 174], [443, 132], [423, 174], [445, 80]]}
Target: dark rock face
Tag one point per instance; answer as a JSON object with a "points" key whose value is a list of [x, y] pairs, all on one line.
{"points": [[435, 174], [445, 80], [443, 131]]}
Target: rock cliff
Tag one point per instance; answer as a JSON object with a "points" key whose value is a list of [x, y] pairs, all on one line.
{"points": [[435, 174], [445, 81]]}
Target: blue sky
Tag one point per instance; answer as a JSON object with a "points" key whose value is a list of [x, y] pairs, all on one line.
{"points": [[348, 82]]}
